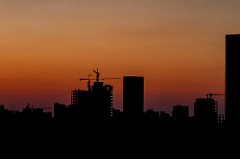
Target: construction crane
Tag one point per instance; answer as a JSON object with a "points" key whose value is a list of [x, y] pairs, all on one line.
{"points": [[88, 79], [97, 78], [97, 75], [209, 95]]}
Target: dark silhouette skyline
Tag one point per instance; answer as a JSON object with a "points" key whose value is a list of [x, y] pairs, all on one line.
{"points": [[92, 109], [91, 115]]}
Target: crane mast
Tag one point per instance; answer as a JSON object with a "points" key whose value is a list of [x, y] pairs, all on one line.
{"points": [[97, 75], [97, 78]]}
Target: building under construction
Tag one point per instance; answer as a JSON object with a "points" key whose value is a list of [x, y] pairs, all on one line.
{"points": [[206, 110], [80, 97], [96, 102]]}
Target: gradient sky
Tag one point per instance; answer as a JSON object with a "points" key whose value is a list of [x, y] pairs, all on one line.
{"points": [[178, 46]]}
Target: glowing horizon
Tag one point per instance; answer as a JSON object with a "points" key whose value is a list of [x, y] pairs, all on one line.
{"points": [[179, 48]]}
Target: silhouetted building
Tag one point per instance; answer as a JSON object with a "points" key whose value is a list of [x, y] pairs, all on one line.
{"points": [[151, 115], [232, 109], [102, 101], [180, 113], [81, 105], [5, 114], [80, 97], [108, 99], [205, 111], [34, 117], [59, 111], [133, 96], [1, 108]]}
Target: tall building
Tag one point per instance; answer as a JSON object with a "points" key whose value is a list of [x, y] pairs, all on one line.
{"points": [[108, 100], [133, 96], [205, 111], [232, 109], [102, 101], [94, 104], [81, 105]]}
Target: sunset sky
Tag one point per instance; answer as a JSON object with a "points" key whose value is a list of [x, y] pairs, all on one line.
{"points": [[177, 45]]}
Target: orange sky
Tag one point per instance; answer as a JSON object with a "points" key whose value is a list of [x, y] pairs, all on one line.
{"points": [[178, 46]]}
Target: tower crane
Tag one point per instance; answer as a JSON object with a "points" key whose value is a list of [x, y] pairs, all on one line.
{"points": [[88, 79], [97, 78], [209, 95], [97, 75]]}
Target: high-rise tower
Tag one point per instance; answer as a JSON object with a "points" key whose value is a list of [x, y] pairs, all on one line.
{"points": [[232, 109], [133, 96]]}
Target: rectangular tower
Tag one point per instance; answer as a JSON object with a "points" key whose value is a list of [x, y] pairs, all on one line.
{"points": [[102, 101], [133, 96], [232, 108]]}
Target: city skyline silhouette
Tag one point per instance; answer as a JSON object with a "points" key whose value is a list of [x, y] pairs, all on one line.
{"points": [[46, 46], [93, 108], [129, 75]]}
